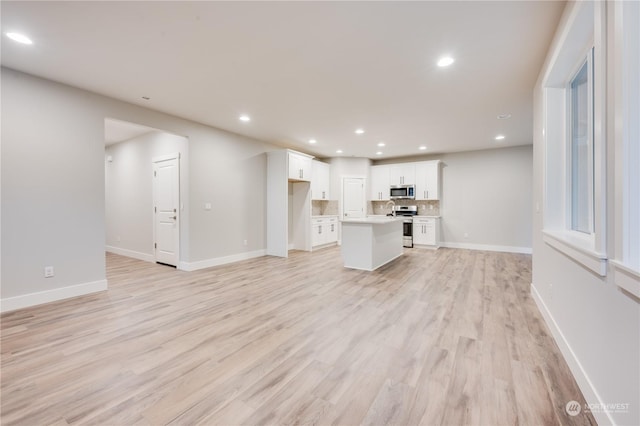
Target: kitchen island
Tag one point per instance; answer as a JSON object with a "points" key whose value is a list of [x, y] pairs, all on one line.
{"points": [[370, 242]]}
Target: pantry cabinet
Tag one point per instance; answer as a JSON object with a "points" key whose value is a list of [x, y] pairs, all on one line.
{"points": [[288, 202], [426, 231], [379, 188], [428, 180], [320, 180], [299, 167], [324, 230]]}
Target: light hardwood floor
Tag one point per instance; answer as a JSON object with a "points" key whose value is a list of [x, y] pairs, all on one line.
{"points": [[446, 337]]}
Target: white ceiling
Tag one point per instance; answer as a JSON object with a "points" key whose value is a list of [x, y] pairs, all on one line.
{"points": [[118, 131], [304, 70]]}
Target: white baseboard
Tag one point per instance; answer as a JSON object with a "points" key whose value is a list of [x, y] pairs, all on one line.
{"points": [[588, 390], [208, 263], [488, 247], [131, 253], [33, 299]]}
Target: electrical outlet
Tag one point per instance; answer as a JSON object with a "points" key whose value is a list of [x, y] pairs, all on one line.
{"points": [[430, 206], [244, 242], [48, 271], [207, 206], [466, 235]]}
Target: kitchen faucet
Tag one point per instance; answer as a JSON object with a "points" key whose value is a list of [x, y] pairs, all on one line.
{"points": [[393, 212]]}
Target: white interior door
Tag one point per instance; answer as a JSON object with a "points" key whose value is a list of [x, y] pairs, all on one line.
{"points": [[166, 200], [353, 197]]}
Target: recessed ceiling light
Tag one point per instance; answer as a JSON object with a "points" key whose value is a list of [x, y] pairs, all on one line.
{"points": [[422, 148], [445, 61], [20, 38], [339, 151], [499, 137], [379, 153], [312, 141], [381, 144], [359, 131], [504, 116], [244, 118]]}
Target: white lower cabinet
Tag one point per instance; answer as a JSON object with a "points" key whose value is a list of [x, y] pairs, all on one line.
{"points": [[426, 231], [324, 230]]}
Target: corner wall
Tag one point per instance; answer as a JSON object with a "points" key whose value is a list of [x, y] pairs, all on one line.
{"points": [[53, 189], [595, 323]]}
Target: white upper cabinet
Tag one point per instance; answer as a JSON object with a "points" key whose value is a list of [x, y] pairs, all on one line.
{"points": [[320, 180], [402, 174], [379, 183], [427, 180], [299, 166]]}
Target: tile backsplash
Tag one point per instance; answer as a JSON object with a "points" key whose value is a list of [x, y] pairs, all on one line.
{"points": [[425, 208], [324, 207], [330, 207]]}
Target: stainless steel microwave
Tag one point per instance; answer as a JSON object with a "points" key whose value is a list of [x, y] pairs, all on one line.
{"points": [[402, 192]]}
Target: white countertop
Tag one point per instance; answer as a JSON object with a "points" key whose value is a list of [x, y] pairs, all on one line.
{"points": [[428, 216], [373, 220]]}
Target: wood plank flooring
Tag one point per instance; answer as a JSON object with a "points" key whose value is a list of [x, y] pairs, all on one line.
{"points": [[446, 337]]}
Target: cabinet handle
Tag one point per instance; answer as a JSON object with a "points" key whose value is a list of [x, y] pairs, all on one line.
{"points": [[319, 229], [427, 195], [323, 195], [332, 227]]}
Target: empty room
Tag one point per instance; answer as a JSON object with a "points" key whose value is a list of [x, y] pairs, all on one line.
{"points": [[320, 212]]}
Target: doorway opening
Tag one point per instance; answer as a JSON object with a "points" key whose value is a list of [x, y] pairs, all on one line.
{"points": [[145, 191]]}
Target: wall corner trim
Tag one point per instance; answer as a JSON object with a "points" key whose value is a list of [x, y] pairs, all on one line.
{"points": [[217, 261], [32, 299], [596, 262], [625, 277], [584, 383]]}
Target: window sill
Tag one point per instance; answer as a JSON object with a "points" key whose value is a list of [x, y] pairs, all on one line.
{"points": [[626, 277], [577, 250]]}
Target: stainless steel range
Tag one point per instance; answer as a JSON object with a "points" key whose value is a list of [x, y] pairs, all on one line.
{"points": [[407, 224]]}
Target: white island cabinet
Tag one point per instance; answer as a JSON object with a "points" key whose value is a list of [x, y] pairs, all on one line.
{"points": [[370, 242]]}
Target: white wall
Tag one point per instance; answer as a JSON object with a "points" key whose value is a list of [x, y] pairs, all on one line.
{"points": [[596, 325], [52, 191], [487, 195], [129, 190], [53, 188]]}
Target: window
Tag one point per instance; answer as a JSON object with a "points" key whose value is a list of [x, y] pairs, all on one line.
{"points": [[626, 262], [581, 140], [574, 130]]}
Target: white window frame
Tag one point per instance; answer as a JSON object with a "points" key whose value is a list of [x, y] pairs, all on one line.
{"points": [[588, 237], [625, 82], [586, 30]]}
